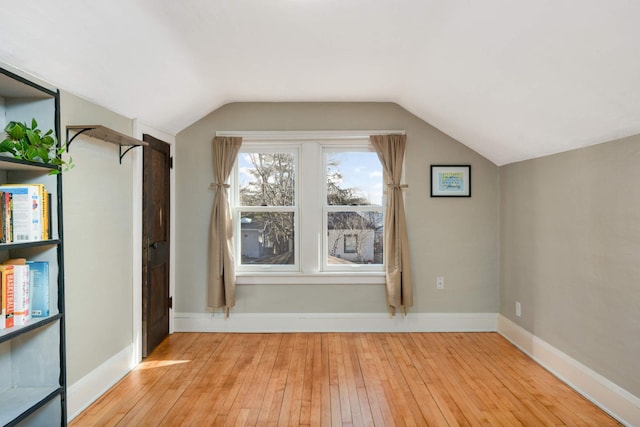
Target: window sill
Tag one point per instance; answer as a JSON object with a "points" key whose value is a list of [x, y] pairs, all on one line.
{"points": [[368, 278]]}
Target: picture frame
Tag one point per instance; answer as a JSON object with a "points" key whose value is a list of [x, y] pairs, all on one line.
{"points": [[450, 180]]}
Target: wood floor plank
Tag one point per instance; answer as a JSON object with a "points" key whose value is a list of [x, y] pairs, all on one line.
{"points": [[380, 411], [270, 410], [337, 399], [307, 382], [333, 379], [420, 393], [261, 380], [320, 414]]}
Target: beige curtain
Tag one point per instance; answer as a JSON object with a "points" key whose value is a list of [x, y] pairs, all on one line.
{"points": [[390, 149], [222, 278]]}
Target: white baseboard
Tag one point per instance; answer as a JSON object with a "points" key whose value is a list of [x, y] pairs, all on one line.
{"points": [[93, 385], [613, 399], [336, 322]]}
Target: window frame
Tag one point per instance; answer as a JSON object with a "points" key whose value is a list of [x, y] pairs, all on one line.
{"points": [[311, 267], [236, 208], [346, 147]]}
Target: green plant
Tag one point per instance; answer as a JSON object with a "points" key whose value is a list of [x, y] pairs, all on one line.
{"points": [[29, 143]]}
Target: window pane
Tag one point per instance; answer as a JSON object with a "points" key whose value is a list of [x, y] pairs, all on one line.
{"points": [[266, 179], [355, 237], [267, 237], [353, 178]]}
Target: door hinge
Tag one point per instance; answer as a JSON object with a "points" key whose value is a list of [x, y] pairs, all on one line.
{"points": [[171, 162], [171, 302]]}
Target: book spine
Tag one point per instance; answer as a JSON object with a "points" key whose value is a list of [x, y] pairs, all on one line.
{"points": [[3, 298], [10, 217], [46, 200], [8, 291], [35, 200], [6, 217], [39, 279], [3, 226], [21, 312]]}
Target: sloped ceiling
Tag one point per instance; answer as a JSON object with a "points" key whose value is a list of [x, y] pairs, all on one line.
{"points": [[512, 80]]}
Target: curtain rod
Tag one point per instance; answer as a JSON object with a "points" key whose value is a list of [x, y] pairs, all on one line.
{"points": [[298, 135]]}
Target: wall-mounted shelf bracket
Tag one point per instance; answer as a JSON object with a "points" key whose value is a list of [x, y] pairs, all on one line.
{"points": [[105, 134]]}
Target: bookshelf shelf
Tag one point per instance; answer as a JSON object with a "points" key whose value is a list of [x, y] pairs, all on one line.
{"points": [[17, 404], [32, 244], [32, 355], [9, 163], [105, 134], [34, 323]]}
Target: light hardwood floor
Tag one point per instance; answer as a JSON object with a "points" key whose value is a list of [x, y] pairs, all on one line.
{"points": [[331, 379]]}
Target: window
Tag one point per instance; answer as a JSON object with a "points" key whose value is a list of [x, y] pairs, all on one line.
{"points": [[308, 208], [267, 208], [350, 243], [353, 208]]}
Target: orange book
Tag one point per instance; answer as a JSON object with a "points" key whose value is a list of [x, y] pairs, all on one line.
{"points": [[6, 271], [3, 296], [21, 291]]}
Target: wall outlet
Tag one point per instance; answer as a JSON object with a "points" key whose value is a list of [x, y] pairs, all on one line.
{"points": [[518, 309], [439, 282]]}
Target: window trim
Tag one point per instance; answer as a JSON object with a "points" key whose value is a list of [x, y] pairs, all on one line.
{"points": [[319, 274], [323, 278]]}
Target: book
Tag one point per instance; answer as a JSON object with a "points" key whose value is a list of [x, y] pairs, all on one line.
{"points": [[21, 291], [40, 210], [6, 281], [46, 215], [26, 210], [39, 281], [5, 218], [3, 238], [3, 296]]}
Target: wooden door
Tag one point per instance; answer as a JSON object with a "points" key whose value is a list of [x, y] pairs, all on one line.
{"points": [[155, 240]]}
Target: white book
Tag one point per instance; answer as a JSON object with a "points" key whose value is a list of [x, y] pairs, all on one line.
{"points": [[26, 212], [22, 301]]}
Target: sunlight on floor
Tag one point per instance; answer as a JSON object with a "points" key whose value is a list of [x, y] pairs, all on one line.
{"points": [[160, 363]]}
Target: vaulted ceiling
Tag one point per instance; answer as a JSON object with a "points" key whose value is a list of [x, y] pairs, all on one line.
{"points": [[511, 79]]}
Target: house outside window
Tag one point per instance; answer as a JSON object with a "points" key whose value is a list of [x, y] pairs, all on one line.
{"points": [[353, 186]]}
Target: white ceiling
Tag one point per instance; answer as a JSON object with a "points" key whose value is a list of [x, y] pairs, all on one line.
{"points": [[511, 79]]}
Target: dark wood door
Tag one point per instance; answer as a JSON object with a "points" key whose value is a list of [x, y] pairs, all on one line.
{"points": [[155, 240]]}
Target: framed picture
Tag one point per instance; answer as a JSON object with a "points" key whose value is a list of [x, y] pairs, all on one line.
{"points": [[450, 180]]}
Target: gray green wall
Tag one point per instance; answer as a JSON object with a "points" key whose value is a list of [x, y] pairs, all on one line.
{"points": [[98, 242], [454, 238], [570, 254]]}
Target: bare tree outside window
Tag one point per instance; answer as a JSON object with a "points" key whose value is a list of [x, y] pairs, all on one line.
{"points": [[267, 181]]}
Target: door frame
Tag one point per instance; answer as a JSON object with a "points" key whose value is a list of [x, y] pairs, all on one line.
{"points": [[139, 129]]}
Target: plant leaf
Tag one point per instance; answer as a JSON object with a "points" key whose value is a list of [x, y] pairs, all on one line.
{"points": [[31, 153], [33, 137], [7, 146], [15, 130], [48, 141]]}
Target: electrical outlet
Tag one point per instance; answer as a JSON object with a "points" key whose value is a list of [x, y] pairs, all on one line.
{"points": [[439, 282], [518, 309]]}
